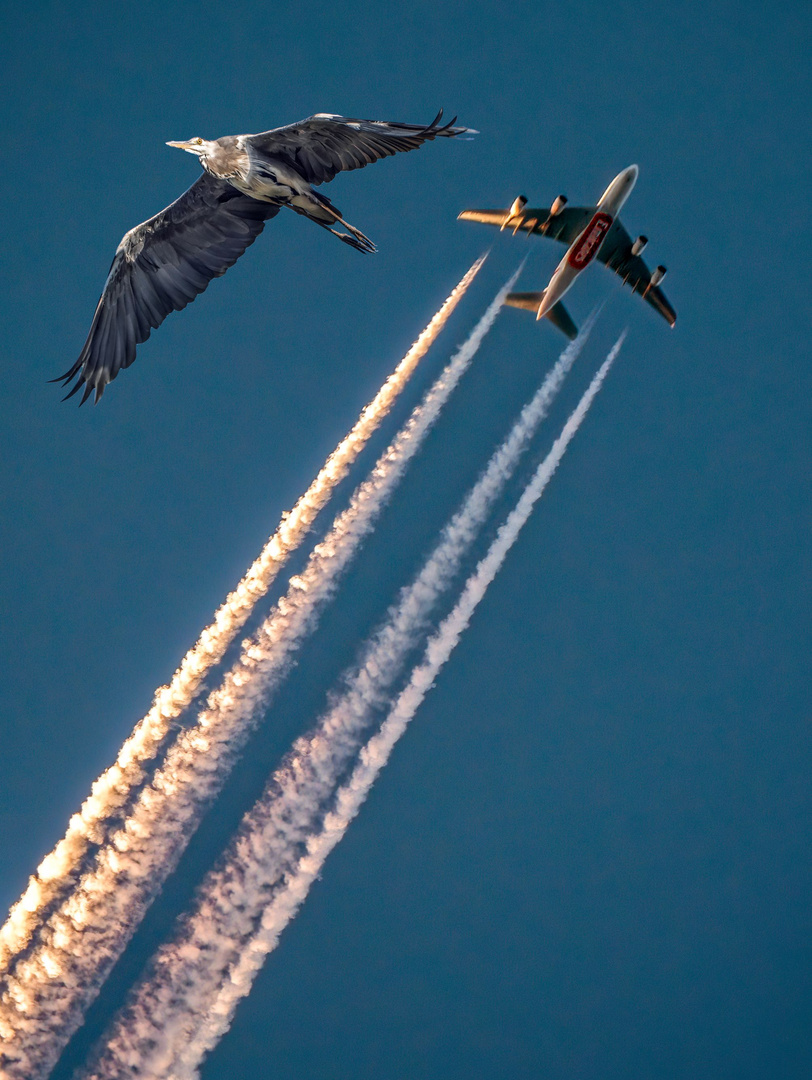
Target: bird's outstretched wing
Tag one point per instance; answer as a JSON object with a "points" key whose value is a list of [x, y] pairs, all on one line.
{"points": [[160, 266], [324, 145]]}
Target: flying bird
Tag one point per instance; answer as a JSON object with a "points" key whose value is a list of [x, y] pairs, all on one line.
{"points": [[164, 263]]}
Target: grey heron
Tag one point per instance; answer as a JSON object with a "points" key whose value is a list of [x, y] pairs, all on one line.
{"points": [[164, 263]]}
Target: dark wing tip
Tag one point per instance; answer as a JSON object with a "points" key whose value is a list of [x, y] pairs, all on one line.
{"points": [[448, 130], [81, 381], [68, 375], [74, 390]]}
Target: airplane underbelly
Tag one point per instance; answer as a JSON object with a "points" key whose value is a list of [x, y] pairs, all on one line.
{"points": [[560, 282], [586, 247]]}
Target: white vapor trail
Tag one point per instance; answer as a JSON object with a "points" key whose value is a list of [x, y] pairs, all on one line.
{"points": [[374, 756], [43, 1001], [186, 1001], [58, 871]]}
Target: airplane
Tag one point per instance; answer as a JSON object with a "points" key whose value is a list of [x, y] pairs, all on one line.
{"points": [[589, 232]]}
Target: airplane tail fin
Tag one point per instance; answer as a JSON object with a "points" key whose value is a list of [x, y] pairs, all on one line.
{"points": [[558, 315]]}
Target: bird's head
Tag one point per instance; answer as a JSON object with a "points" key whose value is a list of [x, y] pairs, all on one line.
{"points": [[201, 147]]}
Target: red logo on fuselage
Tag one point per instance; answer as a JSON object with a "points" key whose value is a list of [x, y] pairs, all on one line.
{"points": [[586, 247]]}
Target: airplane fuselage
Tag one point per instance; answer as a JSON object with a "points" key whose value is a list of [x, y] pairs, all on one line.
{"points": [[588, 242]]}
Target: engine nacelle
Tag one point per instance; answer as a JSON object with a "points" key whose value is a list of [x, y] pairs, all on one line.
{"points": [[558, 205], [639, 246], [518, 205], [658, 275]]}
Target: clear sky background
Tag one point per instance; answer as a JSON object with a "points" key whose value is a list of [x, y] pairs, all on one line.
{"points": [[589, 857]]}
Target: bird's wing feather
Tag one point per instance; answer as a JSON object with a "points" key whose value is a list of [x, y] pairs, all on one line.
{"points": [[160, 266], [324, 144]]}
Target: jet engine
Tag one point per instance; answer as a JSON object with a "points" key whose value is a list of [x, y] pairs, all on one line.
{"points": [[638, 247], [518, 205], [514, 216], [558, 205], [658, 275]]}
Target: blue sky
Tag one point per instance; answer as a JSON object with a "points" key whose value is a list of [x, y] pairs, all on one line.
{"points": [[589, 857]]}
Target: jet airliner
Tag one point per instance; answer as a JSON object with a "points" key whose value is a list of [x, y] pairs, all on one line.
{"points": [[589, 232]]}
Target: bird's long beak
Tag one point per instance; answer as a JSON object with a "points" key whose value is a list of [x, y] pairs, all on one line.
{"points": [[187, 146]]}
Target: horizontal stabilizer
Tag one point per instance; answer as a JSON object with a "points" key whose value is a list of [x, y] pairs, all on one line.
{"points": [[528, 301], [558, 314], [560, 318]]}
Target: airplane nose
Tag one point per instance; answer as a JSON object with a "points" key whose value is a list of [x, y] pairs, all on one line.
{"points": [[631, 173]]}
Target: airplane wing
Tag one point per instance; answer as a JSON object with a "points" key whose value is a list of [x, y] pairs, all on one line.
{"points": [[564, 226], [616, 253]]}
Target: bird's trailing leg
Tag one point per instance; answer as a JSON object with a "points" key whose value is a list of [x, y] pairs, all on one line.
{"points": [[318, 208], [355, 238]]}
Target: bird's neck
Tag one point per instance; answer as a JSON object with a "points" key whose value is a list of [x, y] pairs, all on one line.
{"points": [[226, 162]]}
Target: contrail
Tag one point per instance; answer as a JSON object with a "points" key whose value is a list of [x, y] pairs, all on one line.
{"points": [[374, 756], [191, 990], [58, 871], [44, 998]]}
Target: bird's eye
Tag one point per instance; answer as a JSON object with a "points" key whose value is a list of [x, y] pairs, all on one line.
{"points": [[199, 142]]}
